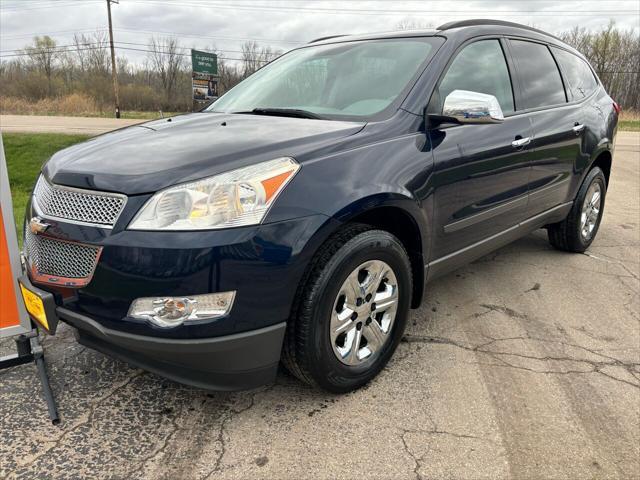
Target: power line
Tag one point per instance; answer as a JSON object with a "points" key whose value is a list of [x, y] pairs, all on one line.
{"points": [[31, 35], [71, 48], [57, 5], [24, 54], [212, 37], [393, 12], [158, 32]]}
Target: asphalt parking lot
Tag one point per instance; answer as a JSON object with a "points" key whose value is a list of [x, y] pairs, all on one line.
{"points": [[524, 364]]}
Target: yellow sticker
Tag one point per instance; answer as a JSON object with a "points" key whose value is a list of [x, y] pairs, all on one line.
{"points": [[35, 306]]}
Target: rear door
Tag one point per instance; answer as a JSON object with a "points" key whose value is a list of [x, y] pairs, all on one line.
{"points": [[480, 174], [558, 124]]}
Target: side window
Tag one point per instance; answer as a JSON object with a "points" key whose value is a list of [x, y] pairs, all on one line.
{"points": [[538, 74], [479, 67], [578, 75]]}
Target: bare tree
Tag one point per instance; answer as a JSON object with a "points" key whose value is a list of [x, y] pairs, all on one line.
{"points": [[254, 57], [167, 62], [92, 52], [43, 55], [230, 74], [410, 24], [615, 55]]}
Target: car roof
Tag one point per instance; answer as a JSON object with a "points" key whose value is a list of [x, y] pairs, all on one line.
{"points": [[458, 30]]}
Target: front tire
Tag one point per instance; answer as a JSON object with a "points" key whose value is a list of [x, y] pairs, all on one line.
{"points": [[352, 310], [576, 232]]}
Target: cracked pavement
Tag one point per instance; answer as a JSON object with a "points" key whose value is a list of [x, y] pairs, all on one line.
{"points": [[524, 364]]}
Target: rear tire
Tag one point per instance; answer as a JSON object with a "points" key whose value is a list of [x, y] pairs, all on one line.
{"points": [[576, 232], [336, 338]]}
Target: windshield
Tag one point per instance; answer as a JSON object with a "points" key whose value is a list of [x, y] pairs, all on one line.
{"points": [[353, 79]]}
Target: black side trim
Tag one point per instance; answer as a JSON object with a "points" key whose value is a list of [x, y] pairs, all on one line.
{"points": [[549, 189], [474, 251], [485, 215]]}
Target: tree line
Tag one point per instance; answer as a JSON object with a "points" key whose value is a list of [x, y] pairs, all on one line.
{"points": [[615, 56], [46, 69]]}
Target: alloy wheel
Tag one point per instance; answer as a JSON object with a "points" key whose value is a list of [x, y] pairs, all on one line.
{"points": [[590, 211], [364, 312]]}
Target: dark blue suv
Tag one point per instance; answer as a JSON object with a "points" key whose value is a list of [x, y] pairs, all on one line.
{"points": [[300, 216]]}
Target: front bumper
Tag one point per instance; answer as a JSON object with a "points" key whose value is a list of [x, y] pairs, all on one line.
{"points": [[263, 264], [232, 362]]}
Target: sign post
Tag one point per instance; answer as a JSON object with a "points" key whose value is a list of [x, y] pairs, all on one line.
{"points": [[204, 77]]}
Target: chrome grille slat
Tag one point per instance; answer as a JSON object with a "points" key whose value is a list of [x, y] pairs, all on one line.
{"points": [[60, 258], [83, 206]]}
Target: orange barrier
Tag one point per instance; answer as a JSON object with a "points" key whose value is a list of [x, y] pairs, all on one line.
{"points": [[13, 317], [8, 305]]}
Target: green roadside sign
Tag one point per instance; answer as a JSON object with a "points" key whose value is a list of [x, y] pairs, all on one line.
{"points": [[204, 62]]}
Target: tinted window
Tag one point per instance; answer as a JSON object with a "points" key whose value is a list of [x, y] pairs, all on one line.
{"points": [[479, 67], [578, 75], [538, 74]]}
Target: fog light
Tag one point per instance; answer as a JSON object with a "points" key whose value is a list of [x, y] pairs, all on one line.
{"points": [[173, 311]]}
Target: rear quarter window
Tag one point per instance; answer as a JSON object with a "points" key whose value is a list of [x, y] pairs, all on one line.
{"points": [[538, 74], [580, 79]]}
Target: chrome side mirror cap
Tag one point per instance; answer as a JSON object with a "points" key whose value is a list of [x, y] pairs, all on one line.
{"points": [[472, 107]]}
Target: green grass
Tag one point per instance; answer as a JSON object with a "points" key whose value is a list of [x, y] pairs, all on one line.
{"points": [[25, 154], [629, 125]]}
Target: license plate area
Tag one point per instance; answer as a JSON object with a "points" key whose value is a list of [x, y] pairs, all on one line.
{"points": [[40, 306]]}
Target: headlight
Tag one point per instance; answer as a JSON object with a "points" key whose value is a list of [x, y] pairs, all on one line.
{"points": [[232, 199]]}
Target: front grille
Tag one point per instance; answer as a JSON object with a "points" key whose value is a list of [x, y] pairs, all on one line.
{"points": [[85, 206], [49, 257]]}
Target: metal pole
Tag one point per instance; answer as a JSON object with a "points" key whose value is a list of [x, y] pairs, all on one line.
{"points": [[114, 74], [38, 354], [46, 389]]}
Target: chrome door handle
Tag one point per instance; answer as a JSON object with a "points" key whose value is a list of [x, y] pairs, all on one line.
{"points": [[578, 128], [521, 142]]}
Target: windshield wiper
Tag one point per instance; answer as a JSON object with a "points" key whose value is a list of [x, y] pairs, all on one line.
{"points": [[285, 112]]}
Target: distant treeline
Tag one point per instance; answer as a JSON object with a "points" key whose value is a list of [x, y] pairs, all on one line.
{"points": [[77, 76], [615, 55]]}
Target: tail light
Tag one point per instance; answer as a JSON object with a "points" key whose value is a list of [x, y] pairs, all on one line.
{"points": [[617, 108]]}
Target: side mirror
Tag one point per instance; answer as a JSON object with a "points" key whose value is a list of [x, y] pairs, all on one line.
{"points": [[464, 106]]}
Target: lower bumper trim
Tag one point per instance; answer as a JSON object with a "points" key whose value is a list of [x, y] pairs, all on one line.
{"points": [[233, 362]]}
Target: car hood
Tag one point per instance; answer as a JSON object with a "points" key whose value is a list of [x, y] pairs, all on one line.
{"points": [[154, 155]]}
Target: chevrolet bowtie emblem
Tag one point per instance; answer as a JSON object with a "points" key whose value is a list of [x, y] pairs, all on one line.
{"points": [[36, 225]]}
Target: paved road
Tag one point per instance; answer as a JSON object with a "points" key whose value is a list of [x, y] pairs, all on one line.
{"points": [[53, 124], [524, 364]]}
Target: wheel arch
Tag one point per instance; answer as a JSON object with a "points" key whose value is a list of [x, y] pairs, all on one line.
{"points": [[402, 217], [603, 160]]}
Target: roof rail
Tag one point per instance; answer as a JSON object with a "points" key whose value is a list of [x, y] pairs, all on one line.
{"points": [[478, 22], [327, 38]]}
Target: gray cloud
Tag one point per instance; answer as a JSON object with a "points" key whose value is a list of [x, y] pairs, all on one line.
{"points": [[223, 23]]}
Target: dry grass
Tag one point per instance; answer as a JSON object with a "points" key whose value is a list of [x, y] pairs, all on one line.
{"points": [[629, 121], [74, 104]]}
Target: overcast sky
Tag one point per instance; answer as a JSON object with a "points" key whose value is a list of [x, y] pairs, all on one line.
{"points": [[281, 24]]}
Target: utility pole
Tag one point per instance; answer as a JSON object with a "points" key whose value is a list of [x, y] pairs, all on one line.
{"points": [[114, 74]]}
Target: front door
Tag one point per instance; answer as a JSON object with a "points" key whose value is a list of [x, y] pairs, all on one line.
{"points": [[481, 171]]}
